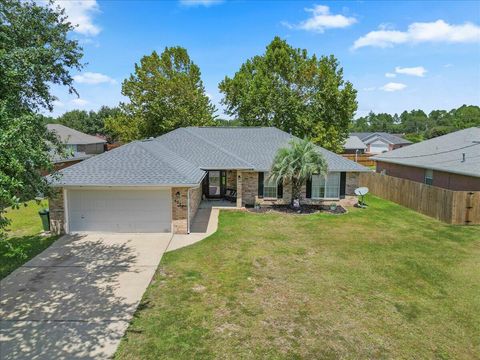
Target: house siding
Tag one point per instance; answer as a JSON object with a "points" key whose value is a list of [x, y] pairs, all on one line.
{"points": [[441, 179]]}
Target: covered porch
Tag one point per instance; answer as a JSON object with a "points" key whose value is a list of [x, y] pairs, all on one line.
{"points": [[220, 188]]}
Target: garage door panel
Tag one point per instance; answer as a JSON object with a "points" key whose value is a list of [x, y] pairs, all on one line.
{"points": [[119, 210]]}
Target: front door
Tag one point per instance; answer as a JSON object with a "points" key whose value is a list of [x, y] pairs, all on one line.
{"points": [[216, 181]]}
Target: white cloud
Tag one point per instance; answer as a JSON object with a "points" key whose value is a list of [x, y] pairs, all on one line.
{"points": [[205, 3], [413, 71], [93, 78], [80, 102], [393, 86], [80, 13], [447, 65], [322, 19], [390, 75], [58, 103], [438, 31]]}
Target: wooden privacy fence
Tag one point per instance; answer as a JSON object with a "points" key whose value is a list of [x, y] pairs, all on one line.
{"points": [[362, 159], [453, 207]]}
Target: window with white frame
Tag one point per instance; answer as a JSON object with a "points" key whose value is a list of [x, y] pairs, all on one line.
{"points": [[428, 176], [269, 187], [326, 187]]}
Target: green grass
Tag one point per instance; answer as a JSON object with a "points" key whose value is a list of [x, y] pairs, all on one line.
{"points": [[23, 240], [384, 282]]}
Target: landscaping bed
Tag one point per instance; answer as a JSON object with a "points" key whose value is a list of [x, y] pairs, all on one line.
{"points": [[303, 210]]}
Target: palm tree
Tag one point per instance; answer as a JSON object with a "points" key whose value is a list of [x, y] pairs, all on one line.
{"points": [[296, 164]]}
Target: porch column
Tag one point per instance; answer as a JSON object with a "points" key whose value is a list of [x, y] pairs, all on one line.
{"points": [[239, 189]]}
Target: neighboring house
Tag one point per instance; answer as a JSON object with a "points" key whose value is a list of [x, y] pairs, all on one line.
{"points": [[82, 145], [353, 145], [380, 142], [450, 161], [156, 185]]}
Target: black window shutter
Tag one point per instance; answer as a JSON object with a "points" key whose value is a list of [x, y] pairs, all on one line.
{"points": [[260, 184], [309, 188], [343, 182], [280, 189]]}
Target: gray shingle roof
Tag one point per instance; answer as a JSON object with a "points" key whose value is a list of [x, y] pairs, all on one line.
{"points": [[353, 142], [443, 153], [181, 156], [368, 137], [72, 136]]}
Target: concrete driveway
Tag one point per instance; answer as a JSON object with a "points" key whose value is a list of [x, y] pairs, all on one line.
{"points": [[75, 300]]}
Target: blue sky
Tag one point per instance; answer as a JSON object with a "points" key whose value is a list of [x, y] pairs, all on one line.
{"points": [[398, 55]]}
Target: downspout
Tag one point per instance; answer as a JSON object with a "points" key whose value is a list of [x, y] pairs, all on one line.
{"points": [[188, 210]]}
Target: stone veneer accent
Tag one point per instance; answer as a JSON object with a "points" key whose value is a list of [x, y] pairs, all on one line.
{"points": [[351, 183], [179, 211], [195, 195], [56, 206], [231, 179]]}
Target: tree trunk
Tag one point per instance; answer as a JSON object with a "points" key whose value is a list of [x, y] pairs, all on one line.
{"points": [[296, 191]]}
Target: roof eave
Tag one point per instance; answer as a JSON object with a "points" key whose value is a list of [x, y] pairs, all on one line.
{"points": [[459, 172]]}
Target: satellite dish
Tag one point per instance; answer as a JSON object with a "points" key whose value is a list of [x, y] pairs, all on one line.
{"points": [[361, 191]]}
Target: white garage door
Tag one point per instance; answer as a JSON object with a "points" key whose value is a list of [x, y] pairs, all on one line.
{"points": [[124, 211], [378, 147]]}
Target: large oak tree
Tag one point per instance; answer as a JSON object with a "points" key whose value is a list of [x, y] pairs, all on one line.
{"points": [[298, 93], [165, 92], [35, 52]]}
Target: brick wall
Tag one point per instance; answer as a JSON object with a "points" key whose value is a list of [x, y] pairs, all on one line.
{"points": [[179, 210], [195, 195], [441, 179], [351, 183], [231, 179], [249, 187], [57, 212]]}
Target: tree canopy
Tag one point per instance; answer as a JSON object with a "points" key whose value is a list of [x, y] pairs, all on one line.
{"points": [[417, 125], [301, 94], [165, 92], [35, 52]]}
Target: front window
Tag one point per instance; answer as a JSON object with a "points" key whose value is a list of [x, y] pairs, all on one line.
{"points": [[269, 187], [428, 176], [326, 187]]}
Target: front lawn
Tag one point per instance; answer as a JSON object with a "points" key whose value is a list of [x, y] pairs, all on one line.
{"points": [[24, 240], [384, 282]]}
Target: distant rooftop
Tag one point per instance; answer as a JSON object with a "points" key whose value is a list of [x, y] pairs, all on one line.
{"points": [[353, 143], [443, 153], [391, 138], [73, 137]]}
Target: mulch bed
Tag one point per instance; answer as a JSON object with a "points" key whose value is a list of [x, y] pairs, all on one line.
{"points": [[304, 209]]}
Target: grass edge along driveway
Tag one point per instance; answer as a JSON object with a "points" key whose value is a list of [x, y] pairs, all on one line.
{"points": [[385, 282], [23, 240]]}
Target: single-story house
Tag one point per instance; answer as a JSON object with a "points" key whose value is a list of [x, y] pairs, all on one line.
{"points": [[157, 184], [450, 161], [83, 146], [380, 142], [353, 145]]}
